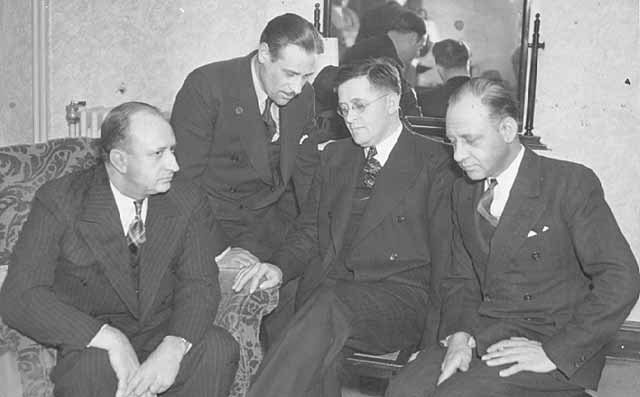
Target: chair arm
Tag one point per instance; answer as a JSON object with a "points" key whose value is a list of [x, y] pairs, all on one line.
{"points": [[241, 313]]}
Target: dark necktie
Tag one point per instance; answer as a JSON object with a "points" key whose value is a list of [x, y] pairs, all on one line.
{"points": [[371, 168], [267, 117], [136, 235], [484, 204]]}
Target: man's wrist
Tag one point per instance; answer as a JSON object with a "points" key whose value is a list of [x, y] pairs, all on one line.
{"points": [[183, 344]]}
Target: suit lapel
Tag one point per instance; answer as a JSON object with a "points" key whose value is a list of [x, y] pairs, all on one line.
{"points": [[99, 225], [343, 181], [246, 114], [393, 181], [155, 257], [521, 213]]}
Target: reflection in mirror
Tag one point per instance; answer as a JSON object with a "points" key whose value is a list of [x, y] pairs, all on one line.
{"points": [[479, 38]]}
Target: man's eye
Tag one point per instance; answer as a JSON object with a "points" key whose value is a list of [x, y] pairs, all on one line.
{"points": [[359, 107]]}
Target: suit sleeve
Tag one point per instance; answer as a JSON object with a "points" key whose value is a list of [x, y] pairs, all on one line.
{"points": [[301, 243], [193, 118], [27, 300], [460, 288], [307, 158], [607, 260], [197, 292]]}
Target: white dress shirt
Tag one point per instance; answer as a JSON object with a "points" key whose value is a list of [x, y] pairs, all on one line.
{"points": [[384, 147], [262, 98], [505, 183], [127, 208]]}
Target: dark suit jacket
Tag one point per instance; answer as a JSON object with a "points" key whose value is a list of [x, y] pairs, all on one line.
{"points": [[404, 232], [382, 46], [434, 101], [378, 20], [70, 270], [559, 270], [222, 146]]}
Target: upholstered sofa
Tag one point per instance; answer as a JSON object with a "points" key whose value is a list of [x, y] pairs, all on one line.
{"points": [[24, 364]]}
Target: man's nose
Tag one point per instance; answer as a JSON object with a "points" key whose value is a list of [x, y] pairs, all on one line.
{"points": [[172, 162]]}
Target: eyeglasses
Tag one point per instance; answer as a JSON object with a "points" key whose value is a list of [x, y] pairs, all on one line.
{"points": [[357, 107]]}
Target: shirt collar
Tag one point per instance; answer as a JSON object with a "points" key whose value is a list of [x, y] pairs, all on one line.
{"points": [[257, 85], [508, 176], [385, 146], [126, 208]]}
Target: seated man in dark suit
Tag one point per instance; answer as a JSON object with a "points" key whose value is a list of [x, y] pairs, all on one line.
{"points": [[117, 271], [371, 236], [452, 64], [402, 42], [541, 277]]}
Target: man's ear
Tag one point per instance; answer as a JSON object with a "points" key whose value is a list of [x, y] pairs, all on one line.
{"points": [[393, 103], [118, 159], [508, 129], [264, 54]]}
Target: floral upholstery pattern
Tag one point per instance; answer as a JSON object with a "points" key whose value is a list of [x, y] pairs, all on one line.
{"points": [[25, 364]]}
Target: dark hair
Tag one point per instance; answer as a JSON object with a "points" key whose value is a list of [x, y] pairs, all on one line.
{"points": [[291, 29], [382, 73], [493, 94], [451, 53], [115, 126], [409, 22]]}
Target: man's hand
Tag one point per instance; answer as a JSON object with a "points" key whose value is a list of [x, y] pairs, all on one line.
{"points": [[260, 275], [122, 357], [159, 371], [528, 355], [237, 258], [458, 357]]}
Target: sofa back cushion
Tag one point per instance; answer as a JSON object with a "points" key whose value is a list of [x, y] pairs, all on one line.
{"points": [[24, 168]]}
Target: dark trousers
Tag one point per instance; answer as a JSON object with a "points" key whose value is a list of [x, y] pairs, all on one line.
{"points": [[207, 370], [375, 317], [418, 379]]}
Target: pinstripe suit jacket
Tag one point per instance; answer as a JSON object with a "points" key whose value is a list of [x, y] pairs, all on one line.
{"points": [[70, 271]]}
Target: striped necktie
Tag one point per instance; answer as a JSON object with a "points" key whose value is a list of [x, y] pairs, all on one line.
{"points": [[136, 235], [267, 117], [484, 204]]}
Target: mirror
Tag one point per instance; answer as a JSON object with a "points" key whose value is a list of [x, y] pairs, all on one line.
{"points": [[494, 31]]}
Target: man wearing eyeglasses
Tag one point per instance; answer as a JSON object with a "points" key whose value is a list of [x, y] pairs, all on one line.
{"points": [[369, 241]]}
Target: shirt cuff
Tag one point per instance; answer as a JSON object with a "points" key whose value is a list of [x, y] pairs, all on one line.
{"points": [[222, 254], [92, 341]]}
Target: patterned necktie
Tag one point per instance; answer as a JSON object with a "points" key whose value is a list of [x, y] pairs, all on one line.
{"points": [[136, 235], [371, 168], [267, 117], [484, 204]]}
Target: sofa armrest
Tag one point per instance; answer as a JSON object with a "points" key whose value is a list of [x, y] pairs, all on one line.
{"points": [[241, 314]]}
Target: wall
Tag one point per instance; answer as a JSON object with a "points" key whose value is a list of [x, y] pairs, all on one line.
{"points": [[110, 52], [16, 82], [585, 111]]}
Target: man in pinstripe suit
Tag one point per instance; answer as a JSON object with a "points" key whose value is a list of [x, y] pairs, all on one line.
{"points": [[118, 272]]}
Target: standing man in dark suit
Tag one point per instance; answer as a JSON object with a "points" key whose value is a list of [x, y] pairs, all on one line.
{"points": [[541, 276], [453, 66], [401, 42], [241, 127], [368, 243], [118, 272]]}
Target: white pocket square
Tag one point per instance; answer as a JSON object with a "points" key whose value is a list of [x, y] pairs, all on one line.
{"points": [[531, 233], [545, 228], [303, 138]]}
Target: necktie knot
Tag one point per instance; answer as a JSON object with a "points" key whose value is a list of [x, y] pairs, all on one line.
{"points": [[267, 117], [371, 167], [484, 204]]}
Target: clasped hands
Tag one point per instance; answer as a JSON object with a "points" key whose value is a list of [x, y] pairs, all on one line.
{"points": [[154, 376], [259, 275], [523, 353]]}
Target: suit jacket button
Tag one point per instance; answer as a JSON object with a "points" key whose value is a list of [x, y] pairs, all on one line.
{"points": [[400, 219], [239, 110], [527, 297], [393, 257], [535, 255]]}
